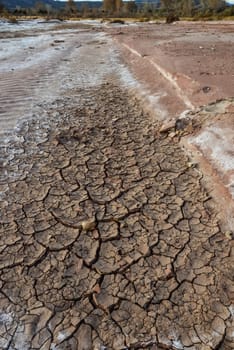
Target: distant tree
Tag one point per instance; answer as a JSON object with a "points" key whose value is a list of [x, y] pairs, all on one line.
{"points": [[71, 7], [1, 8], [111, 6], [118, 5], [130, 7], [40, 8], [203, 4], [178, 7], [168, 4], [216, 5], [171, 10], [186, 7], [48, 9], [85, 10], [19, 11]]}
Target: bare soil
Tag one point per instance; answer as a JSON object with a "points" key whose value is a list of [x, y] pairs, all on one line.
{"points": [[189, 66], [110, 235]]}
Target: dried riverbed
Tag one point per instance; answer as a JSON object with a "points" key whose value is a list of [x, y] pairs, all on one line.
{"points": [[108, 238]]}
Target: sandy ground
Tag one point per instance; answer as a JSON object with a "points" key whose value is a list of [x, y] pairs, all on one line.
{"points": [[110, 234]]}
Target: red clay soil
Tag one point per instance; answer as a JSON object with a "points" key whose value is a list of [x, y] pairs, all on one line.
{"points": [[188, 68]]}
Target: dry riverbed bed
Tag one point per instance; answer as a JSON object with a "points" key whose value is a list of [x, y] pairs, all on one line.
{"points": [[110, 235]]}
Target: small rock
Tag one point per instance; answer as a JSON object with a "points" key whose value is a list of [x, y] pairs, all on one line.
{"points": [[206, 89], [59, 41], [117, 21], [228, 234], [167, 127], [172, 134], [181, 124], [95, 234], [88, 225]]}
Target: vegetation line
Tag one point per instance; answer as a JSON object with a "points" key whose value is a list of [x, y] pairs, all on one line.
{"points": [[140, 9]]}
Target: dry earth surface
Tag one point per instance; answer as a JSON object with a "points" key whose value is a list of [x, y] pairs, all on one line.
{"points": [[109, 238], [189, 66]]}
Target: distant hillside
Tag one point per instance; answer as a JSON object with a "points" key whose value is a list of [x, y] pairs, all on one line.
{"points": [[12, 4]]}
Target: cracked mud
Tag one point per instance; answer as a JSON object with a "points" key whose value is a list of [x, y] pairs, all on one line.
{"points": [[108, 240]]}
